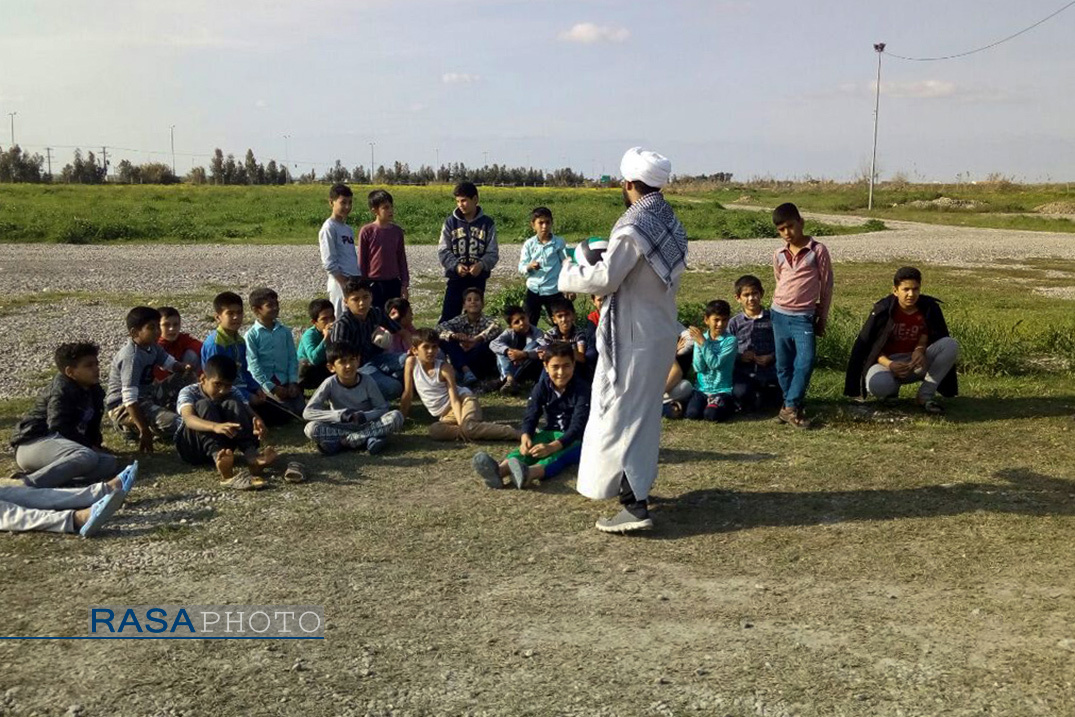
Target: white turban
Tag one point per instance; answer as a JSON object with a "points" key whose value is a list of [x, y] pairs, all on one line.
{"points": [[643, 165]]}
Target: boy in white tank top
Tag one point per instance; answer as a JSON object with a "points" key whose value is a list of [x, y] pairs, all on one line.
{"points": [[456, 409]]}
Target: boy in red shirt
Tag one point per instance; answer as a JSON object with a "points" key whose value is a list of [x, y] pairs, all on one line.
{"points": [[181, 346], [904, 340], [382, 258]]}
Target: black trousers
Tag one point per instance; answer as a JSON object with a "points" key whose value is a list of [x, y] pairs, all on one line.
{"points": [[384, 290], [536, 302], [453, 293], [199, 447], [311, 376]]}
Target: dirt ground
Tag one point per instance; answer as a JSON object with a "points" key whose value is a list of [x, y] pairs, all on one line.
{"points": [[885, 564]]}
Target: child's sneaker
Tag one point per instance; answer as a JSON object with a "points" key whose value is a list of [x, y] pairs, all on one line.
{"points": [[486, 467], [519, 471], [510, 388], [469, 379], [376, 445]]}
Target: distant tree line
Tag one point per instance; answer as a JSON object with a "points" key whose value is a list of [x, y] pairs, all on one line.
{"points": [[19, 166]]}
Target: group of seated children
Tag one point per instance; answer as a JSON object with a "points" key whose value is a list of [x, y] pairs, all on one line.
{"points": [[731, 357], [904, 340], [214, 399]]}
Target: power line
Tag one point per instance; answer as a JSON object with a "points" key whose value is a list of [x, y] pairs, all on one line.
{"points": [[986, 47]]}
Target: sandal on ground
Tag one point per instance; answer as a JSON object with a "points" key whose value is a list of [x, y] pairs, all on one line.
{"points": [[100, 512], [242, 480], [295, 473], [932, 407]]}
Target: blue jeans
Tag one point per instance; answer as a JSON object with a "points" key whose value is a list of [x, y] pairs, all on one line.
{"points": [[386, 370], [795, 346]]}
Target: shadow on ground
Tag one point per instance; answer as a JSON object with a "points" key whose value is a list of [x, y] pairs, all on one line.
{"points": [[713, 510]]}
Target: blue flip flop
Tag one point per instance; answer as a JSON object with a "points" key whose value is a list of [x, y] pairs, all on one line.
{"points": [[128, 476], [101, 511]]}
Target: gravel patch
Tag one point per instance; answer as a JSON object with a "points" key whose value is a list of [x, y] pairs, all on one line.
{"points": [[120, 274]]}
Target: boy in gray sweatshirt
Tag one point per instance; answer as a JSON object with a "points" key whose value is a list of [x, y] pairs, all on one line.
{"points": [[347, 411]]}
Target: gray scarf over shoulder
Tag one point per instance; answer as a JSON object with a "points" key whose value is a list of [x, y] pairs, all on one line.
{"points": [[662, 240]]}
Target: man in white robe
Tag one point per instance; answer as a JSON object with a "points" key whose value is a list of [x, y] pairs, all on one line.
{"points": [[639, 276]]}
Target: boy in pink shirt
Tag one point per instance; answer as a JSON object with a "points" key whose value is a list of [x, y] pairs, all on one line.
{"points": [[800, 309], [381, 256]]}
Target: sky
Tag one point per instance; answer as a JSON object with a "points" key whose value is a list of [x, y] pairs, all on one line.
{"points": [[759, 88]]}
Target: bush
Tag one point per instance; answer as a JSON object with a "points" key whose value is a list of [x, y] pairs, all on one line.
{"points": [[78, 231]]}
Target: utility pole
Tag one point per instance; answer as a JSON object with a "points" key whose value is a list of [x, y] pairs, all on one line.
{"points": [[485, 159], [437, 151], [372, 165], [879, 48], [12, 116], [104, 161], [172, 132], [48, 153]]}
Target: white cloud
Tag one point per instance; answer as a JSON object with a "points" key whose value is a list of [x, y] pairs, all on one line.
{"points": [[922, 89], [588, 33], [458, 78]]}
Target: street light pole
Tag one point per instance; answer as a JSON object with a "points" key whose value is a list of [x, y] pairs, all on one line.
{"points": [[12, 116], [879, 48], [171, 131], [373, 169]]}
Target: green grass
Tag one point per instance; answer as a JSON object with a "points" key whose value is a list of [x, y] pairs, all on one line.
{"points": [[77, 214], [995, 201]]}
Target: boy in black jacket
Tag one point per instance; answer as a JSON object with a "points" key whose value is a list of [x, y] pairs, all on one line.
{"points": [[468, 250], [904, 340], [564, 398], [59, 442], [366, 328]]}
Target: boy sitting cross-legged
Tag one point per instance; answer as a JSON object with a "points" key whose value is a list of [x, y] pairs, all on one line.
{"points": [[313, 368], [516, 350], [564, 398], [755, 384], [714, 362], [59, 442], [565, 330], [466, 340], [130, 382], [366, 327], [904, 340], [219, 427], [348, 410], [273, 361], [456, 409]]}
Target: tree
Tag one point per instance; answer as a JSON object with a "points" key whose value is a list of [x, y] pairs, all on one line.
{"points": [[197, 176], [250, 168], [272, 175], [17, 166], [216, 167]]}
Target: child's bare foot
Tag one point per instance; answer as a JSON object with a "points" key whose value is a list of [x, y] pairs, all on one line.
{"points": [[81, 516], [258, 462], [225, 464]]}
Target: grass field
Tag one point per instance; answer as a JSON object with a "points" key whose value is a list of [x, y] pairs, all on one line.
{"points": [[999, 205], [884, 564], [294, 214]]}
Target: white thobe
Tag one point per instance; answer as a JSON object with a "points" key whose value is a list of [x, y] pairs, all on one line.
{"points": [[624, 430]]}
